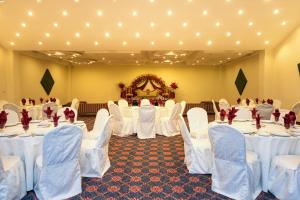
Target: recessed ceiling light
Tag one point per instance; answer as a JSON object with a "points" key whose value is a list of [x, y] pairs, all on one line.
{"points": [[18, 34], [65, 13], [77, 34], [259, 33], [180, 43], [134, 13], [238, 42], [23, 24], [184, 24], [221, 61], [47, 34], [12, 43], [137, 34], [169, 12], [120, 24], [30, 13], [197, 34], [152, 24], [283, 23], [96, 43], [99, 13], [87, 24], [209, 42], [202, 58], [240, 12], [204, 12], [107, 34], [55, 24], [76, 1], [167, 34], [267, 42], [68, 43], [228, 58], [40, 43], [276, 11], [124, 43], [240, 54], [152, 43], [218, 24], [151, 1], [250, 23], [228, 34]]}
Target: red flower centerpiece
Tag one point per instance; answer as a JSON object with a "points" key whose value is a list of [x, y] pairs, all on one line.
{"points": [[253, 111], [121, 85], [292, 118], [71, 116], [247, 101], [55, 119], [23, 101], [3, 119], [160, 102], [48, 112], [53, 100], [25, 120], [258, 126], [276, 115], [222, 114], [231, 114], [41, 100], [33, 102], [238, 100], [287, 121], [66, 113], [256, 100], [270, 101], [174, 86], [263, 101]]}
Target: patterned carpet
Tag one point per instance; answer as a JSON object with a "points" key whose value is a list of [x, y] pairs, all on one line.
{"points": [[147, 169]]}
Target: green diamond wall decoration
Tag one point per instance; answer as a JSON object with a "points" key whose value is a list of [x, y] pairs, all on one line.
{"points": [[299, 68], [241, 82], [47, 82]]}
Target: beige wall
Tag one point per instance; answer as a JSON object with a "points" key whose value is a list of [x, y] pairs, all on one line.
{"points": [[96, 83], [21, 76]]}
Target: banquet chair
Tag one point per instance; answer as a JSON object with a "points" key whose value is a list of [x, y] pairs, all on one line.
{"points": [[2, 102], [198, 157], [217, 113], [276, 104], [243, 114], [60, 113], [198, 122], [146, 122], [145, 102], [94, 160], [75, 103], [12, 178], [57, 101], [236, 172], [265, 111], [57, 172], [183, 104], [168, 126], [169, 104], [122, 103], [223, 104], [101, 117], [296, 108], [110, 103], [283, 112], [284, 178], [13, 111], [52, 106], [122, 126], [34, 112]]}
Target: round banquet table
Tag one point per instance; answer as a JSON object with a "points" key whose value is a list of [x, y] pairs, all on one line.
{"points": [[28, 146], [271, 140]]}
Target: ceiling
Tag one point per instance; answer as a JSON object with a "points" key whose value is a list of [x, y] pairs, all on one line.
{"points": [[146, 25]]}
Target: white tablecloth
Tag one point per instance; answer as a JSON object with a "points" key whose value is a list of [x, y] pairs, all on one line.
{"points": [[26, 146], [269, 145]]}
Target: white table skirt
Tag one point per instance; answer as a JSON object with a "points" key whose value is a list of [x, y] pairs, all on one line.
{"points": [[267, 147], [27, 148]]}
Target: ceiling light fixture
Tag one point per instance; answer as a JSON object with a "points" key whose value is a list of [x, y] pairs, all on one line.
{"points": [[197, 34], [250, 23], [134, 13], [276, 11], [30, 13], [65, 13], [47, 35], [120, 24], [238, 42], [152, 43], [169, 12], [68, 43], [137, 34], [267, 42], [99, 13], [77, 34], [40, 43], [55, 24], [218, 24], [23, 24], [124, 43], [283, 23], [167, 34], [96, 43], [240, 12], [184, 24], [209, 42], [259, 33], [12, 43], [107, 34], [228, 34], [18, 34], [87, 24], [205, 12], [180, 43]]}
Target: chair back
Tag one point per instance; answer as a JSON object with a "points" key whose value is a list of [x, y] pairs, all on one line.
{"points": [[75, 103], [147, 114], [114, 110], [101, 118], [265, 111], [14, 115], [277, 104], [57, 101], [175, 112], [183, 104], [146, 126], [145, 102], [52, 106], [197, 118], [61, 113], [110, 103], [244, 113], [105, 132], [34, 112], [169, 104], [217, 113], [251, 103], [223, 104], [122, 103], [185, 132], [296, 108]]}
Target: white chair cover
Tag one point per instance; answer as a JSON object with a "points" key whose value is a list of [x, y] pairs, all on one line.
{"points": [[296, 108], [198, 157], [223, 104], [265, 111], [75, 103], [94, 160], [34, 112], [122, 126], [110, 103], [284, 178], [276, 104], [198, 122], [101, 118], [57, 172], [169, 104], [145, 102], [250, 104], [52, 106], [235, 173], [169, 125], [217, 113], [12, 178], [146, 122], [243, 114], [57, 101], [183, 104], [60, 113], [13, 107], [122, 103], [12, 117]]}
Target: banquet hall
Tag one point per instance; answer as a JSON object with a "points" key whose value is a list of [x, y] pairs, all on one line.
{"points": [[149, 99]]}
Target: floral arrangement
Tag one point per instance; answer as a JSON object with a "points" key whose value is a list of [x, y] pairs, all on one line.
{"points": [[174, 85], [3, 119], [238, 100], [55, 119], [48, 112], [25, 120], [276, 115], [121, 85], [253, 112]]}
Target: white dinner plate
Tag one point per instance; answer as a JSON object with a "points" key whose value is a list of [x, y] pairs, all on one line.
{"points": [[266, 121], [10, 124], [35, 121], [240, 120]]}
